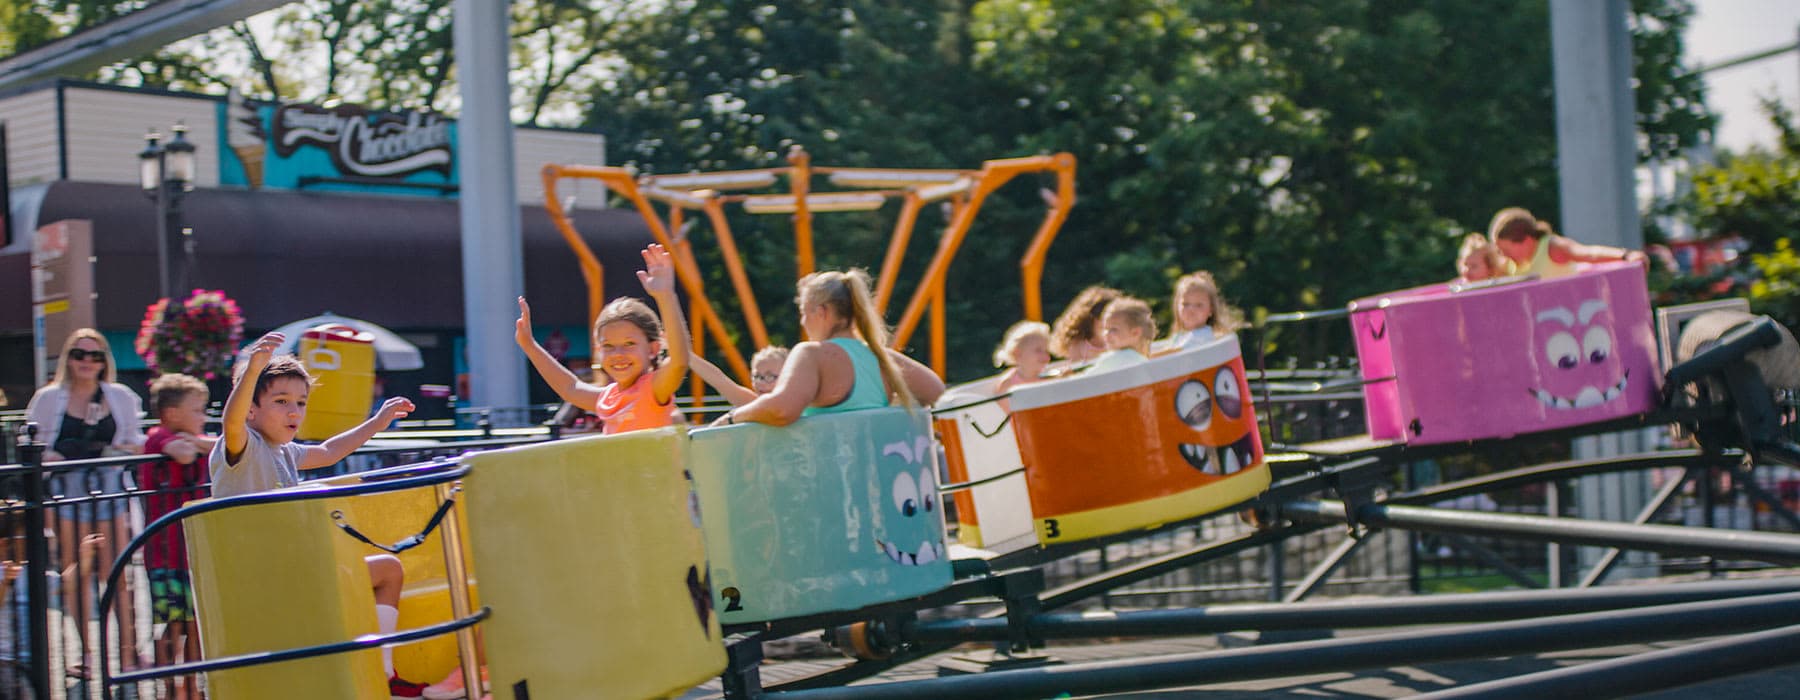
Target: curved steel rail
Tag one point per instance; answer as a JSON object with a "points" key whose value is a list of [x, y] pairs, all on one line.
{"points": [[373, 482]]}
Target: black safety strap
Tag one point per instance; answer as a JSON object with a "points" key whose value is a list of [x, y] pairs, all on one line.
{"points": [[406, 543]]}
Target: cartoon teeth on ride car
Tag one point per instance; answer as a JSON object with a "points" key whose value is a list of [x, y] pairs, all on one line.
{"points": [[1197, 402], [1581, 370]]}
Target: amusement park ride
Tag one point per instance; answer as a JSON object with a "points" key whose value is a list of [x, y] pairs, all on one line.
{"points": [[638, 565]]}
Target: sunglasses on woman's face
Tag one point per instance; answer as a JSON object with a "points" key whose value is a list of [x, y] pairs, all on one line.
{"points": [[80, 354]]}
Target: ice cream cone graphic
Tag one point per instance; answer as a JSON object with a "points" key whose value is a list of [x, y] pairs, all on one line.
{"points": [[252, 158], [245, 134]]}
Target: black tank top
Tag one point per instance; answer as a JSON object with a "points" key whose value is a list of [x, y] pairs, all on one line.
{"points": [[78, 439]]}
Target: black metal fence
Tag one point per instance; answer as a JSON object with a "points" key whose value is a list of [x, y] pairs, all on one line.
{"points": [[65, 522]]}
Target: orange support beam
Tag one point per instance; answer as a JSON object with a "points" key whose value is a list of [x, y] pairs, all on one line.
{"points": [[740, 280], [699, 191], [890, 264], [993, 174], [939, 360], [800, 182], [1031, 265], [591, 271]]}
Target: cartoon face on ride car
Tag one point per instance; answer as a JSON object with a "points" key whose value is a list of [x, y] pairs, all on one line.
{"points": [[914, 533], [1213, 419], [1579, 368]]}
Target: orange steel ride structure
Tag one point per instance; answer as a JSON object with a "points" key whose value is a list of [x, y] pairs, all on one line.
{"points": [[866, 189]]}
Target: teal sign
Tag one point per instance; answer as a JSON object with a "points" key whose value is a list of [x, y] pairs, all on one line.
{"points": [[347, 148]]}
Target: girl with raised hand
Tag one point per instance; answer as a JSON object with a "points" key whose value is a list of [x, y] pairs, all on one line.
{"points": [[641, 392]]}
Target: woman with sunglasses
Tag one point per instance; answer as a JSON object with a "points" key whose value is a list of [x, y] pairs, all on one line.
{"points": [[84, 413]]}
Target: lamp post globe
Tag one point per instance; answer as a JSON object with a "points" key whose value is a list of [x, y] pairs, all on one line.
{"points": [[166, 173]]}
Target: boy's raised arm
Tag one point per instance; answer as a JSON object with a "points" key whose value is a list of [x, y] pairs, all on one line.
{"points": [[658, 278], [339, 446], [236, 429]]}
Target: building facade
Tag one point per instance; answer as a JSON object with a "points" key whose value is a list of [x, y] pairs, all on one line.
{"points": [[295, 210]]}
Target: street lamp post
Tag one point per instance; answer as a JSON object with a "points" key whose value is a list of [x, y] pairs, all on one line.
{"points": [[166, 172]]}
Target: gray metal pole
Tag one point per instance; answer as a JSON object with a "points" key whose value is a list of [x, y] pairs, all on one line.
{"points": [[492, 260], [1761, 546], [1360, 613], [1596, 131], [37, 566], [1648, 672], [163, 279]]}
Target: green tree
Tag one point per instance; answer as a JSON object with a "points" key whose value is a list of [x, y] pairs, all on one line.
{"points": [[1776, 290], [1306, 152], [385, 53], [1754, 194]]}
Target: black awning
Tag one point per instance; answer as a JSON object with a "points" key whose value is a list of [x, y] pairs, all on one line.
{"points": [[396, 261]]}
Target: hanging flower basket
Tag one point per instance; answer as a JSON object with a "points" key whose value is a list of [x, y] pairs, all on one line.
{"points": [[198, 337]]}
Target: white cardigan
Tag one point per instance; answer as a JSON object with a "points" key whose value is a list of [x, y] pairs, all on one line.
{"points": [[50, 403]]}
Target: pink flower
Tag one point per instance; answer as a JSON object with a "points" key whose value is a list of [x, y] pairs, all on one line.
{"points": [[200, 339]]}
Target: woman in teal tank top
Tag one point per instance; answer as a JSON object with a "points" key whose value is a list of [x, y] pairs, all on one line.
{"points": [[845, 364], [869, 391]]}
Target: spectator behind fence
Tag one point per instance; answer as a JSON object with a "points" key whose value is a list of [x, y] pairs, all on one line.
{"points": [[179, 402], [15, 607], [84, 413]]}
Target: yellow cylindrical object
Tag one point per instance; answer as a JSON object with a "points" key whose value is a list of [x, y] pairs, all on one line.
{"points": [[425, 598], [597, 567], [279, 576], [282, 576], [342, 363]]}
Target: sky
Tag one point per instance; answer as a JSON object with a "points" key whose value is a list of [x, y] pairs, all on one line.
{"points": [[1725, 29]]}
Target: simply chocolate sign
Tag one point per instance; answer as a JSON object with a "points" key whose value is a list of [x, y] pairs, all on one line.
{"points": [[364, 143]]}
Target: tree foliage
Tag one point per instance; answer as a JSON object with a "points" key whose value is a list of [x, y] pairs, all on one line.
{"points": [[387, 53], [1756, 195], [1305, 152]]}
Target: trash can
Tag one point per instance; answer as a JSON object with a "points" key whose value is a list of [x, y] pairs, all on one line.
{"points": [[342, 363]]}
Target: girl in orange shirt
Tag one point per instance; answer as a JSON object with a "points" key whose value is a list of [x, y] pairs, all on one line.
{"points": [[641, 395]]}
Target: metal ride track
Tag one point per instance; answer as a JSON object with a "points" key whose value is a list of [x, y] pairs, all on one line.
{"points": [[1351, 468]]}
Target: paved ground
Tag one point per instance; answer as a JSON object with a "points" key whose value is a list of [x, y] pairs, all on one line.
{"points": [[1391, 682]]}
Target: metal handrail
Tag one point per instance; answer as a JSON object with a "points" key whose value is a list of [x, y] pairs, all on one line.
{"points": [[372, 483]]}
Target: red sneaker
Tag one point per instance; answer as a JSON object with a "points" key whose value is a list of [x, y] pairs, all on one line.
{"points": [[400, 688]]}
